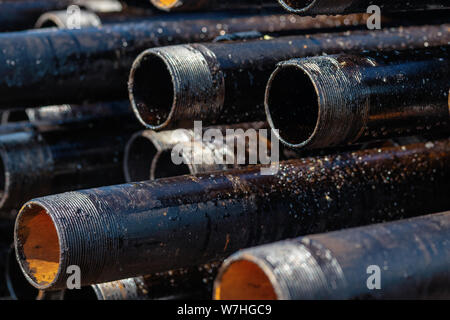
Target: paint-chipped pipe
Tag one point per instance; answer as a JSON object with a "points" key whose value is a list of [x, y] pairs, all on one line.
{"points": [[225, 82], [50, 74], [407, 259], [333, 100], [330, 7], [128, 230]]}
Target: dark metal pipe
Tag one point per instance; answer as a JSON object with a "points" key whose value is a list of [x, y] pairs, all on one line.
{"points": [[333, 100], [155, 226], [71, 66], [313, 7], [40, 162], [225, 82], [195, 5], [411, 258]]}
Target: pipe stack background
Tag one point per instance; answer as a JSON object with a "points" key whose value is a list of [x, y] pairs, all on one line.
{"points": [[335, 159]]}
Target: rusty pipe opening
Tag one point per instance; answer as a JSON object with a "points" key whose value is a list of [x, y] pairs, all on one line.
{"points": [[164, 167], [151, 90], [291, 94], [244, 280], [37, 245], [138, 160], [297, 6]]}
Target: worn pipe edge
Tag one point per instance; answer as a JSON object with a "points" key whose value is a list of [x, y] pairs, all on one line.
{"points": [[60, 19], [164, 82], [334, 104]]}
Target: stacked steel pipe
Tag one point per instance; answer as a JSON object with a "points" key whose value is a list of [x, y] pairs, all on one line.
{"points": [[304, 152]]}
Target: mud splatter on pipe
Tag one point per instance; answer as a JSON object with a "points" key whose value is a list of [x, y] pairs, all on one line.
{"points": [[411, 258], [128, 230], [334, 100], [225, 82]]}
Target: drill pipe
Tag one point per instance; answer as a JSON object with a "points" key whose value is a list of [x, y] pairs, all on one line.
{"points": [[333, 100], [93, 63], [329, 7], [37, 162], [133, 229], [195, 5], [412, 257], [225, 82], [150, 154]]}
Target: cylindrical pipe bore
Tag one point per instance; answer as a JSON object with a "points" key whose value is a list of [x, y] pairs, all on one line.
{"points": [[128, 230], [222, 83], [334, 100], [411, 259]]}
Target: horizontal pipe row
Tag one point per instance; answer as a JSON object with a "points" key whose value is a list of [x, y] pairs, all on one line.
{"points": [[339, 99], [225, 82], [42, 64], [140, 228]]}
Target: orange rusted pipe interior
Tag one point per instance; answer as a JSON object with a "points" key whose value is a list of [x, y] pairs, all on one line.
{"points": [[38, 245], [244, 280], [166, 3]]}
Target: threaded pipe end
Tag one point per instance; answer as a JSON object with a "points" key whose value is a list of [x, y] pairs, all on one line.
{"points": [[49, 239], [317, 102], [286, 270], [173, 83]]}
